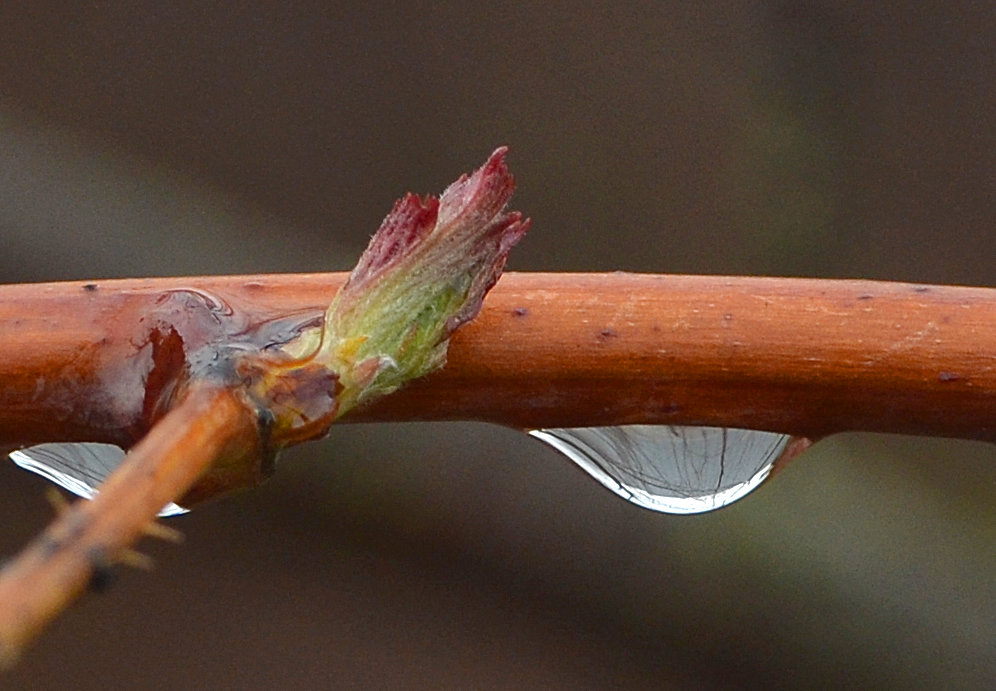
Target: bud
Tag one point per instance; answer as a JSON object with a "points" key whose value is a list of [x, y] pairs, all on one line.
{"points": [[424, 274]]}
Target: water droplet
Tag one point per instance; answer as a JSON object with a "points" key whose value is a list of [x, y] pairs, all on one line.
{"points": [[672, 469], [77, 467]]}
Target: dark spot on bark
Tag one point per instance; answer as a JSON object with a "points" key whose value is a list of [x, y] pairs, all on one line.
{"points": [[90, 287], [50, 546], [948, 376], [922, 289], [520, 312], [865, 296], [102, 574], [605, 334], [75, 524]]}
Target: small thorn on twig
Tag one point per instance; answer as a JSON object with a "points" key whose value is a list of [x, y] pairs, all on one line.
{"points": [[58, 502], [162, 532], [103, 566], [135, 559]]}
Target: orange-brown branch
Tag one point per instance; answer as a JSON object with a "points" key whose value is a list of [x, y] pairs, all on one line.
{"points": [[805, 356], [809, 357]]}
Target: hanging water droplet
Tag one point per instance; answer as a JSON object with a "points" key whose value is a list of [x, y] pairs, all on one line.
{"points": [[77, 467], [672, 469]]}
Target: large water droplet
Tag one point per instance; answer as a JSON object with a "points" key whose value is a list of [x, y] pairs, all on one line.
{"points": [[77, 467], [672, 469]]}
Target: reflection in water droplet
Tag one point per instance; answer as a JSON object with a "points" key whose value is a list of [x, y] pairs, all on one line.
{"points": [[671, 469], [78, 467]]}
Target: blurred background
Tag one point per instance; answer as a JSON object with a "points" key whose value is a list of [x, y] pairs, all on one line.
{"points": [[835, 139]]}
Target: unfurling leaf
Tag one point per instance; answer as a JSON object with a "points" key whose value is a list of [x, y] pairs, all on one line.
{"points": [[424, 274]]}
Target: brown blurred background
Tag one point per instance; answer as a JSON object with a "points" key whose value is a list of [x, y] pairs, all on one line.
{"points": [[843, 139]]}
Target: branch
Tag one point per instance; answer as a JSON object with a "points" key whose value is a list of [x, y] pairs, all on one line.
{"points": [[801, 356], [807, 357]]}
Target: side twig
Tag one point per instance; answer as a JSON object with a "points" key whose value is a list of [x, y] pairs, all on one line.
{"points": [[90, 536]]}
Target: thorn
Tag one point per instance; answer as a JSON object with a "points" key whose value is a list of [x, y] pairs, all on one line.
{"points": [[58, 501], [135, 559], [162, 532], [102, 565]]}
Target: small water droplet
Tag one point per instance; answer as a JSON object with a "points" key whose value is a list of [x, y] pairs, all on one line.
{"points": [[672, 469], [77, 467]]}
